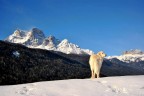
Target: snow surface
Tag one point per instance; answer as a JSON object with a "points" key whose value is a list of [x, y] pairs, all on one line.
{"points": [[107, 86], [16, 53]]}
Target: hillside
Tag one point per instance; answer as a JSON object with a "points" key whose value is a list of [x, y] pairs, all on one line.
{"points": [[132, 58], [19, 64], [111, 67]]}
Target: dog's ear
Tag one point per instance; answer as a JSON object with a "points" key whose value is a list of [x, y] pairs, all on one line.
{"points": [[99, 53]]}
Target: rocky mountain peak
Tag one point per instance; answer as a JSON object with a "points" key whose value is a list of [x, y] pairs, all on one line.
{"points": [[17, 32], [51, 38], [37, 33], [65, 41], [36, 30], [50, 42]]}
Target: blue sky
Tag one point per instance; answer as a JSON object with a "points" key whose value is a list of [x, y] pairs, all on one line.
{"points": [[109, 25]]}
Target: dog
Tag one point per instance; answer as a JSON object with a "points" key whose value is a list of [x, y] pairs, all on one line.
{"points": [[95, 62]]}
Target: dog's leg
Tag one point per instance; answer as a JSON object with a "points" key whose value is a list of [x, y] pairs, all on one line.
{"points": [[98, 71], [96, 68], [97, 74], [92, 74], [92, 68]]}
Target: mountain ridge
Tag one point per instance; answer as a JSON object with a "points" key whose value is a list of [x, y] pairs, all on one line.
{"points": [[130, 56], [20, 64], [35, 38]]}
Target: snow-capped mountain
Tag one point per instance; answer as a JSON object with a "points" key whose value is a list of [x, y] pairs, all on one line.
{"points": [[35, 38], [130, 56], [49, 43], [66, 46], [32, 38]]}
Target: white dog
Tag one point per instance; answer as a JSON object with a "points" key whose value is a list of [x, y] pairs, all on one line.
{"points": [[95, 62]]}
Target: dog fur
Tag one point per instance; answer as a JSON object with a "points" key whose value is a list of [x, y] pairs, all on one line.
{"points": [[95, 62]]}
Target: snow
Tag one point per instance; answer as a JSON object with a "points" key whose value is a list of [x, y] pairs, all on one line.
{"points": [[66, 47], [88, 51], [19, 36], [106, 86], [16, 53], [142, 58]]}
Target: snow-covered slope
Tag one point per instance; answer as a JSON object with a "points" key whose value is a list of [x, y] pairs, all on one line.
{"points": [[35, 38], [32, 38], [18, 36], [130, 56], [67, 47], [108, 86], [49, 43]]}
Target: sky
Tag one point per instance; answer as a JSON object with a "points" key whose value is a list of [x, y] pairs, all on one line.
{"points": [[109, 25]]}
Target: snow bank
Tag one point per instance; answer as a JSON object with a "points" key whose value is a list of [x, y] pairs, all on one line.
{"points": [[108, 86]]}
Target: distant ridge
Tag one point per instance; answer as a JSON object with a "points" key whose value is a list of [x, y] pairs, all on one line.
{"points": [[129, 56], [133, 52]]}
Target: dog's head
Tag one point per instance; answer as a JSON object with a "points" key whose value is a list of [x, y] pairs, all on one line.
{"points": [[102, 54]]}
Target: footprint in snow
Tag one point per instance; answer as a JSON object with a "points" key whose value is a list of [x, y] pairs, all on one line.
{"points": [[26, 89], [116, 89], [142, 88], [102, 82]]}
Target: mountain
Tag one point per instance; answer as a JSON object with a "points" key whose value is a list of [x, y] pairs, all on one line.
{"points": [[110, 67], [20, 64], [49, 43], [48, 58], [130, 56], [35, 38], [32, 38]]}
